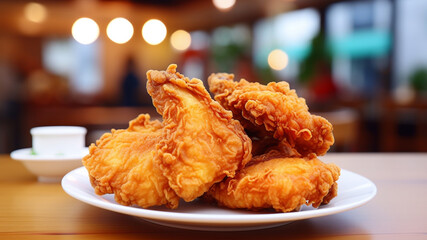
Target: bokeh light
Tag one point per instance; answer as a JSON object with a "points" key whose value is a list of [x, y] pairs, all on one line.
{"points": [[181, 40], [224, 5], [85, 30], [278, 59], [35, 12], [120, 30], [154, 31]]}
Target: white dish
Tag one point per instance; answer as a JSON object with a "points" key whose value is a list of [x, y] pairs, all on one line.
{"points": [[49, 168], [353, 191]]}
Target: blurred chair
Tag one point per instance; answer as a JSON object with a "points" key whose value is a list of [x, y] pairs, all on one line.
{"points": [[404, 126], [345, 122]]}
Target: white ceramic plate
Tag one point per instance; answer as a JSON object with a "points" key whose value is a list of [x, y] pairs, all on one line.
{"points": [[353, 191]]}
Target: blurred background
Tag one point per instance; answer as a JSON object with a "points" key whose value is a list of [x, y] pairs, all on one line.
{"points": [[362, 64]]}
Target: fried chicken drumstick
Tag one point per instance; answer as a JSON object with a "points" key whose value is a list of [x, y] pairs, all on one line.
{"points": [[200, 143], [273, 110]]}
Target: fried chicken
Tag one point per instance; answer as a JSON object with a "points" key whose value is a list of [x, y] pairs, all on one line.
{"points": [[122, 162], [273, 110], [199, 148], [282, 183], [200, 143]]}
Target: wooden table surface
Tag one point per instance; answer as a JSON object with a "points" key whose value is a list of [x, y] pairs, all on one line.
{"points": [[33, 210]]}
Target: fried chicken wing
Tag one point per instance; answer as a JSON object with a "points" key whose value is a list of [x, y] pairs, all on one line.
{"points": [[282, 183], [200, 143], [273, 110], [122, 162]]}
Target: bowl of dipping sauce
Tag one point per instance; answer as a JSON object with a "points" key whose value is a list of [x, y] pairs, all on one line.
{"points": [[58, 140], [55, 151]]}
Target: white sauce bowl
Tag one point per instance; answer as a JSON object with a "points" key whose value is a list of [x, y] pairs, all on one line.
{"points": [[58, 140]]}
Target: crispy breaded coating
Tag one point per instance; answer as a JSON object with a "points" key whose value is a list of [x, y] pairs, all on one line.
{"points": [[200, 143], [121, 162], [273, 110], [284, 184], [201, 147]]}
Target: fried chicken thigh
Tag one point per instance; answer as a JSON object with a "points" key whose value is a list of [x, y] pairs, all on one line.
{"points": [[122, 162], [282, 183], [273, 110], [200, 143]]}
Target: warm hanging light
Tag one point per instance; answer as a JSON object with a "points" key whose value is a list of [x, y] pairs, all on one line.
{"points": [[180, 40], [154, 31], [85, 30], [120, 30], [224, 5], [278, 59], [35, 12]]}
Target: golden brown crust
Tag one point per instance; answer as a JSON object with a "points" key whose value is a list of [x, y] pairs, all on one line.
{"points": [[273, 109], [201, 143], [121, 162], [284, 184]]}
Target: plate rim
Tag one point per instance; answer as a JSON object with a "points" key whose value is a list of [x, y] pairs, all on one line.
{"points": [[193, 218]]}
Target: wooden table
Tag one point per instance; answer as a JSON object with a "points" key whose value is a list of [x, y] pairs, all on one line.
{"points": [[32, 210]]}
